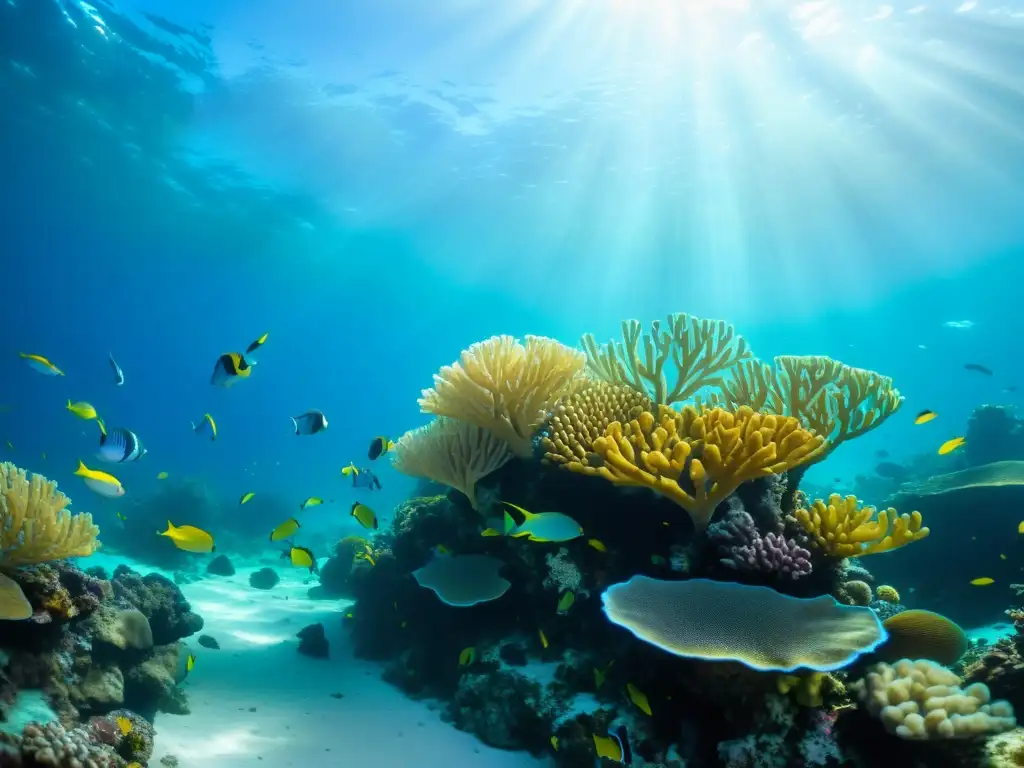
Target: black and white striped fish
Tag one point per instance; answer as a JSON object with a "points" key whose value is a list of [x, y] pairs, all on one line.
{"points": [[119, 445]]}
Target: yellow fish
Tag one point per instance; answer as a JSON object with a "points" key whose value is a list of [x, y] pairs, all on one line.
{"points": [[257, 344], [1002, 556], [554, 743], [543, 638], [984, 581], [82, 409], [566, 601], [350, 470], [598, 545], [441, 549], [378, 447], [366, 516], [924, 417], [41, 364], [134, 765], [615, 747], [1020, 525], [100, 482], [162, 476], [285, 530], [365, 556], [206, 426], [951, 445], [124, 725], [492, 532], [120, 516], [312, 501], [467, 657], [246, 497], [639, 698], [189, 538], [303, 558], [190, 663]]}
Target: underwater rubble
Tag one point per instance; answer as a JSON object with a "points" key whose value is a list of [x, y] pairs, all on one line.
{"points": [[707, 611]]}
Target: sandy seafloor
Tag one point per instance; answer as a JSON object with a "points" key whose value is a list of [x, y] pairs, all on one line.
{"points": [[258, 703]]}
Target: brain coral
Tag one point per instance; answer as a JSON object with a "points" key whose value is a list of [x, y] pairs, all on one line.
{"points": [[756, 626], [923, 635]]}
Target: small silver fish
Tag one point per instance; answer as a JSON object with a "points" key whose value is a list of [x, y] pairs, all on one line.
{"points": [[118, 373], [309, 423]]}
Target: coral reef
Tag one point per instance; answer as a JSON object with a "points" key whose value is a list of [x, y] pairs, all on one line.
{"points": [[743, 548]]}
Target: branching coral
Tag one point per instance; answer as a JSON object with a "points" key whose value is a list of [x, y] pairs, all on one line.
{"points": [[35, 526], [837, 401], [841, 528], [452, 452], [505, 387], [698, 459], [923, 700], [697, 352]]}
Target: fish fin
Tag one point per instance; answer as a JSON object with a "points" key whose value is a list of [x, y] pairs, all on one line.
{"points": [[295, 423], [82, 469], [103, 430], [526, 515], [510, 523]]}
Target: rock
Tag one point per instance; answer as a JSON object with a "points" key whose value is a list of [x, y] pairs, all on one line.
{"points": [[264, 578], [334, 577], [169, 613], [100, 690], [152, 685], [512, 654], [220, 566], [121, 629], [209, 642], [313, 641]]}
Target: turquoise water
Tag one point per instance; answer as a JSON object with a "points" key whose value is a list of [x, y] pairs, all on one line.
{"points": [[379, 185]]}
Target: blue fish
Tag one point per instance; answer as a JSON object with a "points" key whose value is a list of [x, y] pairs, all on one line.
{"points": [[206, 426], [309, 423], [542, 527], [364, 478], [119, 445]]}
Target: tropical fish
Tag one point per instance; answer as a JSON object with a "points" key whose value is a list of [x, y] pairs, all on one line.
{"points": [[246, 497], [566, 601], [366, 516], [614, 747], [189, 538], [378, 447], [543, 638], [206, 426], [442, 551], [597, 544], [467, 657], [312, 501], [364, 556], [162, 475], [984, 581], [554, 743], [978, 369], [542, 527], [285, 530], [82, 409], [190, 663], [119, 445], [493, 532], [951, 445], [120, 516], [124, 725], [303, 558], [639, 698], [100, 482], [1020, 527], [118, 373], [256, 345], [1002, 556], [924, 417], [41, 364], [309, 423], [351, 469], [230, 368], [364, 478]]}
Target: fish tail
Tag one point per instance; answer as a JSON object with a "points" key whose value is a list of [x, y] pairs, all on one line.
{"points": [[526, 515], [295, 424], [82, 469], [510, 523]]}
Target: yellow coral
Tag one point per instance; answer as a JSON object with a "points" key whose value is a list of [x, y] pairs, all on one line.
{"points": [[809, 689], [35, 526], [451, 452], [887, 594], [583, 416], [505, 387], [699, 352], [840, 528], [709, 453]]}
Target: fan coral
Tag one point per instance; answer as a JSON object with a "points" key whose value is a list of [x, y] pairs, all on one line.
{"points": [[456, 453], [840, 528], [505, 387], [717, 451], [700, 351], [744, 548], [921, 700]]}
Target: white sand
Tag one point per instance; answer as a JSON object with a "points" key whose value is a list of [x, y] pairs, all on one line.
{"points": [[295, 721]]}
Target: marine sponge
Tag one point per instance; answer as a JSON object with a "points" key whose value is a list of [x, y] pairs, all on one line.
{"points": [[710, 453], [918, 634], [757, 626], [452, 452], [921, 700], [505, 387], [887, 594], [699, 351], [841, 528]]}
